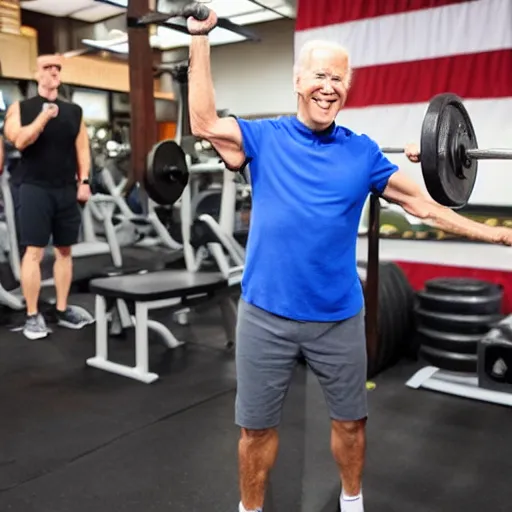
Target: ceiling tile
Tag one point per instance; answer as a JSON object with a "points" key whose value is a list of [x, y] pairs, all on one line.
{"points": [[56, 7], [97, 13], [169, 39]]}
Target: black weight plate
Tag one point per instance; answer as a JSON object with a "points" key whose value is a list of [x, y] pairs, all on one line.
{"points": [[446, 131], [460, 286], [385, 317], [451, 322], [450, 341], [167, 173], [375, 361], [395, 308], [407, 301], [452, 362], [465, 304]]}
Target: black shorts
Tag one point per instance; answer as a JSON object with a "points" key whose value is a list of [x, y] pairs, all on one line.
{"points": [[45, 212]]}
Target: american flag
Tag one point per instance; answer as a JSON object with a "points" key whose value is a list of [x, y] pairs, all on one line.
{"points": [[404, 52]]}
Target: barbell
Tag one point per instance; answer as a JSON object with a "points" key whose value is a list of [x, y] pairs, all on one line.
{"points": [[449, 151], [449, 157]]}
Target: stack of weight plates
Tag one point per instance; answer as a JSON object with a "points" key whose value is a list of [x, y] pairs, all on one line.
{"points": [[452, 316]]}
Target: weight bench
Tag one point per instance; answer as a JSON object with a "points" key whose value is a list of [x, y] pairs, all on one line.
{"points": [[173, 289]]}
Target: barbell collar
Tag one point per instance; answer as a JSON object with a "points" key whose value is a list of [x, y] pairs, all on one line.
{"points": [[489, 154]]}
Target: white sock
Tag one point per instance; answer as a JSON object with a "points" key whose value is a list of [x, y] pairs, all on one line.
{"points": [[241, 508], [351, 503]]}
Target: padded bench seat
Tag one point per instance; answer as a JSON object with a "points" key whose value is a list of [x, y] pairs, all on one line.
{"points": [[153, 290], [162, 285]]}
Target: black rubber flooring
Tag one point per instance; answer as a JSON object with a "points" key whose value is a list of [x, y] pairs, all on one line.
{"points": [[77, 439]]}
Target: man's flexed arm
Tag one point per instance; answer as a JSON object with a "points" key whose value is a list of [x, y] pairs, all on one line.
{"points": [[23, 136], [223, 133]]}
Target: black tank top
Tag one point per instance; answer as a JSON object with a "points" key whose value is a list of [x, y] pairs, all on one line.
{"points": [[51, 160]]}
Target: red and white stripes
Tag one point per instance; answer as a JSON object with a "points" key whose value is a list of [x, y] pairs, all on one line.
{"points": [[405, 51]]}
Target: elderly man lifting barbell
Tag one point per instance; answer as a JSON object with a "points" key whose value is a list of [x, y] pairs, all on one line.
{"points": [[300, 289]]}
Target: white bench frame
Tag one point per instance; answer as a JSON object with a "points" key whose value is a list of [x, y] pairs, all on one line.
{"points": [[143, 324]]}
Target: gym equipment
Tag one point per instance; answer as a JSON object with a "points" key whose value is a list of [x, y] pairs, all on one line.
{"points": [[195, 10], [463, 324], [484, 298], [495, 358], [449, 151], [453, 314], [167, 174], [395, 317], [149, 226], [464, 350], [176, 289]]}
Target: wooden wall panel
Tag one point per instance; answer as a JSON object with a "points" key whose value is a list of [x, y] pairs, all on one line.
{"points": [[18, 55], [96, 72], [100, 73]]}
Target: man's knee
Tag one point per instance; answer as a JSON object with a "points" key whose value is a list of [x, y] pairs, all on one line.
{"points": [[349, 428], [62, 252], [33, 254], [253, 436]]}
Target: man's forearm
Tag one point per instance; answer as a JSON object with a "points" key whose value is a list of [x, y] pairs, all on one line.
{"points": [[84, 167], [200, 89], [448, 220], [29, 134]]}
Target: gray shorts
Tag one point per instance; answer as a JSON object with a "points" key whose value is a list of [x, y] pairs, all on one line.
{"points": [[267, 347]]}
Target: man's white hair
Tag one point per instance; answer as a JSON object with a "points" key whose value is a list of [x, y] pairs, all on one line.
{"points": [[304, 56]]}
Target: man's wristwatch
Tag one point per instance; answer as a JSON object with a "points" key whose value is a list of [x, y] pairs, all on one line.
{"points": [[84, 181]]}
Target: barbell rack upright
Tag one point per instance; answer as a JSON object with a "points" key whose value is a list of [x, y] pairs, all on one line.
{"points": [[371, 288]]}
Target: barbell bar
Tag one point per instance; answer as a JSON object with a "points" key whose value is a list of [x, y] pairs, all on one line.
{"points": [[478, 154], [195, 10]]}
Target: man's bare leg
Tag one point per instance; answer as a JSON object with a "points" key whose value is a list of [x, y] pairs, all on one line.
{"points": [[31, 277], [257, 452], [348, 445], [62, 274]]}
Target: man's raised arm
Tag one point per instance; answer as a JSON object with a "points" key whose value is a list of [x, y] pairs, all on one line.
{"points": [[23, 136], [223, 133]]}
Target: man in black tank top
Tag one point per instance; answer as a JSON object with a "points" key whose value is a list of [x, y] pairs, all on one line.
{"points": [[54, 173]]}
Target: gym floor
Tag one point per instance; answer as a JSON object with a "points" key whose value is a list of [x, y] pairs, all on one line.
{"points": [[75, 439]]}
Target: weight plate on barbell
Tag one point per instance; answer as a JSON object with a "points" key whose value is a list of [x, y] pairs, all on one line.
{"points": [[167, 173], [446, 134]]}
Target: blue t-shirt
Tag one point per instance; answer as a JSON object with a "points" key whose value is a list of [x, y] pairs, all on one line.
{"points": [[308, 192]]}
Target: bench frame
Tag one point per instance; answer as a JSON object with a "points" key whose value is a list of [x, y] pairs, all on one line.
{"points": [[142, 323]]}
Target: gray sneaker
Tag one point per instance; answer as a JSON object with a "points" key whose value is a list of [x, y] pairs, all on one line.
{"points": [[35, 327], [71, 318]]}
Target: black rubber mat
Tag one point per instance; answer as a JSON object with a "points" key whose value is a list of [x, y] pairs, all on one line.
{"points": [[79, 439], [55, 409]]}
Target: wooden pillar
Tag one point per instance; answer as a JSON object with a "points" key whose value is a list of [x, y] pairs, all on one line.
{"points": [[372, 286], [143, 132]]}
